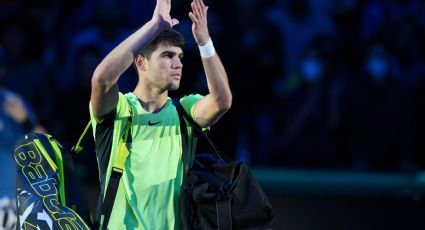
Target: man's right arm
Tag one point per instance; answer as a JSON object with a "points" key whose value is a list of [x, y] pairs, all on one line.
{"points": [[104, 94]]}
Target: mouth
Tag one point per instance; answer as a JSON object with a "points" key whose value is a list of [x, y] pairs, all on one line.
{"points": [[176, 75]]}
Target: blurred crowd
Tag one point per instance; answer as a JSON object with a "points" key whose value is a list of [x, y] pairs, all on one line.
{"points": [[317, 83]]}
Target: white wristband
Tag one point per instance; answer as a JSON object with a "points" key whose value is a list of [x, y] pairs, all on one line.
{"points": [[207, 50]]}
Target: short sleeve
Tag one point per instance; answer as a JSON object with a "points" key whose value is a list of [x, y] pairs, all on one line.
{"points": [[188, 102], [120, 111]]}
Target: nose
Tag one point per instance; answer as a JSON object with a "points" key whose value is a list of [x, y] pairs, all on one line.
{"points": [[177, 63]]}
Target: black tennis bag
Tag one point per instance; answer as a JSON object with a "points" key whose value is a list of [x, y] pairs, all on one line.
{"points": [[217, 193], [48, 193]]}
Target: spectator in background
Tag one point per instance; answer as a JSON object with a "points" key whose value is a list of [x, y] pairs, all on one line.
{"points": [[25, 74], [106, 29], [77, 95], [271, 37], [376, 113], [417, 109], [307, 116], [299, 23], [73, 120], [16, 119], [387, 18], [259, 55]]}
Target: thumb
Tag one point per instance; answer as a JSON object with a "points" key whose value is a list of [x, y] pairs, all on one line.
{"points": [[174, 22]]}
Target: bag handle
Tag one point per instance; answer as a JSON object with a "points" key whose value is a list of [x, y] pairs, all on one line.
{"points": [[77, 148]]}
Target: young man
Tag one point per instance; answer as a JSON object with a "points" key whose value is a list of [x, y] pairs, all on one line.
{"points": [[148, 194]]}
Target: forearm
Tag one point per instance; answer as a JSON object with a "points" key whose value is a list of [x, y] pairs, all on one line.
{"points": [[210, 108], [121, 57], [218, 84], [105, 93]]}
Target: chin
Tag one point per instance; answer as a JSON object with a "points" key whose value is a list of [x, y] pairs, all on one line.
{"points": [[173, 87]]}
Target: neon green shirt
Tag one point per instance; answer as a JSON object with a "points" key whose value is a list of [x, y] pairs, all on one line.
{"points": [[149, 190]]}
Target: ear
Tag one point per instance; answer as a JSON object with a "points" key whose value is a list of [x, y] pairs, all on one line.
{"points": [[140, 62]]}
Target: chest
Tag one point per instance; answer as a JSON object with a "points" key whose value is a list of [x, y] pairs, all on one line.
{"points": [[155, 137]]}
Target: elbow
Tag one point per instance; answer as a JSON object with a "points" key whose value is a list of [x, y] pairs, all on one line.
{"points": [[226, 103], [100, 79]]}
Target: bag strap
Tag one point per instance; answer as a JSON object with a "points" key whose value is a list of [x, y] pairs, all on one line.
{"points": [[117, 168], [223, 207], [198, 130], [224, 214], [47, 145], [185, 137], [117, 171]]}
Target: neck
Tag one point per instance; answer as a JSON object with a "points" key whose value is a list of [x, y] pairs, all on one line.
{"points": [[151, 99]]}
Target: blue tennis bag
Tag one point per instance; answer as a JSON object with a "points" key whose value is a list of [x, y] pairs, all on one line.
{"points": [[48, 193]]}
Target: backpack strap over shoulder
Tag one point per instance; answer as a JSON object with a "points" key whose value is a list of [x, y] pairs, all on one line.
{"points": [[116, 174], [117, 168], [184, 136]]}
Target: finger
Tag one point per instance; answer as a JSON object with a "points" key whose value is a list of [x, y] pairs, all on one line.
{"points": [[201, 7], [202, 3], [192, 17], [205, 10], [196, 10]]}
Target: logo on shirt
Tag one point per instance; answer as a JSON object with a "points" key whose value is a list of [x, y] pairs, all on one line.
{"points": [[153, 123]]}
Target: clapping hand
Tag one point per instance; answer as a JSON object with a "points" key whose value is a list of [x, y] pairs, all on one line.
{"points": [[200, 23], [161, 15]]}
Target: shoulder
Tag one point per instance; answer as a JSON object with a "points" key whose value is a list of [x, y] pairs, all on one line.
{"points": [[188, 102], [120, 110], [126, 102], [129, 98]]}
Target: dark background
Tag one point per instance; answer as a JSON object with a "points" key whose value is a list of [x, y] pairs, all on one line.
{"points": [[322, 89]]}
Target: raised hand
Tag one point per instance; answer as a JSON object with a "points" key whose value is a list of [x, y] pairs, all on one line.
{"points": [[200, 22], [161, 15]]}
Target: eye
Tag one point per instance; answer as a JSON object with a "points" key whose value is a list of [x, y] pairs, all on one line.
{"points": [[169, 55]]}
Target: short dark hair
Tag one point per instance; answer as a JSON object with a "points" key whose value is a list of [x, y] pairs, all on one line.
{"points": [[169, 37]]}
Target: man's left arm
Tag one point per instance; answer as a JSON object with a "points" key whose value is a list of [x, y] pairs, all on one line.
{"points": [[210, 108]]}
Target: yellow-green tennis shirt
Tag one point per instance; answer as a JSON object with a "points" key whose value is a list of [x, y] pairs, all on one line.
{"points": [[149, 190]]}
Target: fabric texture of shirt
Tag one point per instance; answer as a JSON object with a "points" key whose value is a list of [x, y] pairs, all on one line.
{"points": [[149, 190]]}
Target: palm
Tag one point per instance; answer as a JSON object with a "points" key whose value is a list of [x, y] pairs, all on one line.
{"points": [[199, 19], [201, 33], [162, 14]]}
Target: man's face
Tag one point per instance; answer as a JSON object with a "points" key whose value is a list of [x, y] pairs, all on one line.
{"points": [[164, 68]]}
